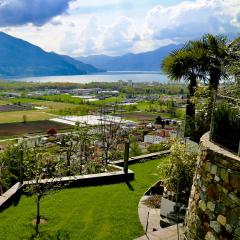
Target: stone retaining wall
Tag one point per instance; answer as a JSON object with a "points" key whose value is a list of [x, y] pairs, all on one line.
{"points": [[214, 206]]}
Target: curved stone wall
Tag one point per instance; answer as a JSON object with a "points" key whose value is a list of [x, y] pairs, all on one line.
{"points": [[214, 206]]}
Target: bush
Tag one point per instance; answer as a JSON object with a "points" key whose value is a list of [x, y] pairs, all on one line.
{"points": [[158, 147], [135, 150], [226, 126], [179, 173]]}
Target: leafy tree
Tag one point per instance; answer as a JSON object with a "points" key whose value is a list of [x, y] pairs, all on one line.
{"points": [[44, 168], [158, 120], [184, 64], [180, 170]]}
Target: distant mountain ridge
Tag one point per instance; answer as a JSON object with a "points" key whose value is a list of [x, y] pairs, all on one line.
{"points": [[19, 58], [146, 61]]}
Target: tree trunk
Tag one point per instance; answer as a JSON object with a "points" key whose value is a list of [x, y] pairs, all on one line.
{"points": [[1, 182], [106, 157], [38, 214], [213, 87], [190, 109]]}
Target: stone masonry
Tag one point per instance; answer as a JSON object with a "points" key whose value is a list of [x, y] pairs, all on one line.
{"points": [[214, 205]]}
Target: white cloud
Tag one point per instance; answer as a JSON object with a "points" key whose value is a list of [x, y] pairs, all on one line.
{"points": [[117, 32], [120, 37], [116, 38], [189, 20]]}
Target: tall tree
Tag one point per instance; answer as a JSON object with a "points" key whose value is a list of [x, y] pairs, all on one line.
{"points": [[215, 59], [184, 64]]}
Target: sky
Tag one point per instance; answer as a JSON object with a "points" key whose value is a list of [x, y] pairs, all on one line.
{"points": [[115, 27]]}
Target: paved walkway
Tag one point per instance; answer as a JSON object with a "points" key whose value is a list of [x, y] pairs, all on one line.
{"points": [[169, 233], [150, 216], [150, 220]]}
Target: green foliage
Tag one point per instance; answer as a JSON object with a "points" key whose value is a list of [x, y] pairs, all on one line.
{"points": [[226, 125], [9, 162], [94, 166], [179, 173], [158, 147], [135, 150]]}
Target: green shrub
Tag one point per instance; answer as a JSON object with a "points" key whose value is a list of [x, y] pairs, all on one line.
{"points": [[226, 126], [158, 147], [180, 170], [135, 150]]}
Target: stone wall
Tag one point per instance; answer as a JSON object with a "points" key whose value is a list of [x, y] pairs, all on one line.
{"points": [[214, 206]]}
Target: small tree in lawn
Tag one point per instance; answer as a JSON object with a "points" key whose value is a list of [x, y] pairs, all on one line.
{"points": [[43, 168]]}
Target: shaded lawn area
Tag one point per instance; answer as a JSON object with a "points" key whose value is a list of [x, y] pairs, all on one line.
{"points": [[102, 212]]}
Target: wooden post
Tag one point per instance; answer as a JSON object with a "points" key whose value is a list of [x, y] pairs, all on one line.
{"points": [[126, 157]]}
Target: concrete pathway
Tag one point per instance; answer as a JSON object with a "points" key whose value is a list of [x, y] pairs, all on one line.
{"points": [[149, 217], [169, 233], [150, 220]]}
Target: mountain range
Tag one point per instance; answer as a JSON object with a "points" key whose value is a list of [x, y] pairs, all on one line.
{"points": [[19, 58], [146, 61]]}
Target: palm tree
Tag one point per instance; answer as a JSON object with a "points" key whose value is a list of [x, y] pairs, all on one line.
{"points": [[187, 64], [216, 58]]}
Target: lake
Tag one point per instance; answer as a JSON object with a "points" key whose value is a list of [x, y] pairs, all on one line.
{"points": [[102, 77]]}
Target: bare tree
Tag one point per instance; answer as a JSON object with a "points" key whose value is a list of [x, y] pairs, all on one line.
{"points": [[109, 133], [69, 147]]}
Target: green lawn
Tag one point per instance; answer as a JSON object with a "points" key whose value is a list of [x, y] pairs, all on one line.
{"points": [[103, 212]]}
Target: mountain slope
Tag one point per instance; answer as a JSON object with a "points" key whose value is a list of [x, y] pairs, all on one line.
{"points": [[147, 61], [20, 58]]}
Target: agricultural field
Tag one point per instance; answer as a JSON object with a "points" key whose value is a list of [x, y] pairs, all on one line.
{"points": [[18, 116], [20, 128], [140, 116]]}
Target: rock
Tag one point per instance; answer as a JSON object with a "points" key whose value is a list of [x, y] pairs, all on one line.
{"points": [[211, 236], [215, 226], [233, 217], [222, 219], [235, 181], [233, 197], [216, 178], [210, 214], [220, 208], [212, 192], [211, 206], [228, 228], [224, 175], [208, 167], [202, 205], [214, 169], [237, 233]]}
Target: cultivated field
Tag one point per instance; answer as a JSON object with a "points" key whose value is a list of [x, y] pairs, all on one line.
{"points": [[18, 129], [31, 115], [140, 116]]}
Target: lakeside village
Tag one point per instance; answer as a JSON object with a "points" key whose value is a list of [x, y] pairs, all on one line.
{"points": [[126, 160]]}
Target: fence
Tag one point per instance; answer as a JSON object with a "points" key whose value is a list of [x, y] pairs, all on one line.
{"points": [[225, 123]]}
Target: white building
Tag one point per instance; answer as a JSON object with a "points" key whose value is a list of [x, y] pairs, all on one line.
{"points": [[151, 138]]}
